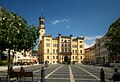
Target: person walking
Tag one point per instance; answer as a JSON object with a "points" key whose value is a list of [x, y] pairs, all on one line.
{"points": [[114, 74], [102, 75], [22, 70]]}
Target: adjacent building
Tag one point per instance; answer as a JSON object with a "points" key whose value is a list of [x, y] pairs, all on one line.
{"points": [[92, 53], [60, 49], [87, 58], [104, 52]]}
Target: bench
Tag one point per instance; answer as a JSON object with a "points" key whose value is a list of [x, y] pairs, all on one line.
{"points": [[116, 77], [20, 75], [3, 78]]}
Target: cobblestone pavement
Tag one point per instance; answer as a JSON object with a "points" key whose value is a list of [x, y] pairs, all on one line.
{"points": [[67, 73]]}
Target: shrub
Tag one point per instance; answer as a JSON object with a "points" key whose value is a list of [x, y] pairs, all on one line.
{"points": [[0, 62], [4, 62]]}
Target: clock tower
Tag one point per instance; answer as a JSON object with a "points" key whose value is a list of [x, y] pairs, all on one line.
{"points": [[42, 27]]}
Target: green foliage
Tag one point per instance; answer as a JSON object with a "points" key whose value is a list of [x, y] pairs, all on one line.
{"points": [[4, 62], [113, 43], [15, 33]]}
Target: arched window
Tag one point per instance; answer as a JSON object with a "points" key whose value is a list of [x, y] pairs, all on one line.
{"points": [[65, 45]]}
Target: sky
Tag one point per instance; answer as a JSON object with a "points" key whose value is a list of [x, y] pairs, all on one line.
{"points": [[88, 18]]}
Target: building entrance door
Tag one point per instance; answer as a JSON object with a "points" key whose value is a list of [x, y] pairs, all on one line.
{"points": [[67, 59]]}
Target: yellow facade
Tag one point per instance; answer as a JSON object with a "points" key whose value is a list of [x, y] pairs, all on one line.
{"points": [[60, 49], [87, 58]]}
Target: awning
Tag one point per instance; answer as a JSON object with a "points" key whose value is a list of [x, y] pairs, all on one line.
{"points": [[27, 58]]}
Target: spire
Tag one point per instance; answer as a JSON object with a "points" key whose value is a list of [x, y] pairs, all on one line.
{"points": [[41, 20], [41, 12]]}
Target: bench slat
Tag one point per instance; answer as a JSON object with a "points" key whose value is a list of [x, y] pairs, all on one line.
{"points": [[116, 77], [18, 74]]}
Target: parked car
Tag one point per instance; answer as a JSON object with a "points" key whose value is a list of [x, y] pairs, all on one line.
{"points": [[115, 63]]}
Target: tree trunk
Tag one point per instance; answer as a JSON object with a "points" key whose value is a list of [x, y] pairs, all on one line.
{"points": [[8, 75]]}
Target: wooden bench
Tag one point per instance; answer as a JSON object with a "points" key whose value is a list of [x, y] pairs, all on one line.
{"points": [[21, 75], [3, 78], [116, 78]]}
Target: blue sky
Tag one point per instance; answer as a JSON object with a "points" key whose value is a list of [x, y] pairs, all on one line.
{"points": [[88, 18]]}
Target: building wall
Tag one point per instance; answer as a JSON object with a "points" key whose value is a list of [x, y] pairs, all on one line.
{"points": [[103, 50], [87, 58], [49, 49], [97, 52], [92, 53], [54, 50]]}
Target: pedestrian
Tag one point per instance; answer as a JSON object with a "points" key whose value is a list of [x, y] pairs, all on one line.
{"points": [[102, 75], [22, 70], [115, 73], [11, 70], [46, 63]]}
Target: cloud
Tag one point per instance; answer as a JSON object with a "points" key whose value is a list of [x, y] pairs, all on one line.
{"points": [[92, 37], [91, 40], [89, 45], [67, 26], [60, 21]]}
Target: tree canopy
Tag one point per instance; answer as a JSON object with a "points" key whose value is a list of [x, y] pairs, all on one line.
{"points": [[113, 43], [15, 33]]}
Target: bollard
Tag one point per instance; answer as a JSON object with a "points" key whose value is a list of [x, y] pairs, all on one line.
{"points": [[42, 74], [102, 75]]}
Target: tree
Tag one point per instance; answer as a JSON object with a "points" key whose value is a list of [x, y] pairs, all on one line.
{"points": [[16, 34], [113, 42]]}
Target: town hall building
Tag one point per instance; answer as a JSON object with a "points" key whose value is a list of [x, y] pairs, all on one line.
{"points": [[61, 49]]}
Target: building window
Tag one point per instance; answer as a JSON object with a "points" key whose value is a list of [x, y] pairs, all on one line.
{"points": [[47, 57], [65, 41], [47, 39], [47, 44], [56, 50], [65, 50], [73, 57], [80, 41], [73, 51], [62, 50], [53, 61], [65, 45], [47, 50], [53, 50], [80, 57], [81, 51], [55, 45], [81, 46], [68, 44], [76, 57], [69, 50], [74, 46], [62, 45], [56, 57], [53, 57]]}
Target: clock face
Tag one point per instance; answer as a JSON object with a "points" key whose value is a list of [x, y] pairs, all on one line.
{"points": [[42, 32]]}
